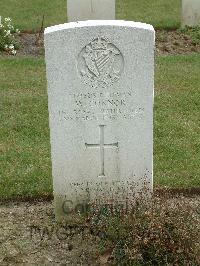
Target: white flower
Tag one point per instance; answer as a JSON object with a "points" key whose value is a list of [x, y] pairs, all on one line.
{"points": [[17, 31], [11, 47], [7, 19], [10, 26], [13, 52], [6, 46], [7, 32]]}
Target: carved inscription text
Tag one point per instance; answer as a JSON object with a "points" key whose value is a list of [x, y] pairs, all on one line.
{"points": [[103, 106]]}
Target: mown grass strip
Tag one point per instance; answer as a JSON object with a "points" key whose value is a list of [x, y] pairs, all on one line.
{"points": [[28, 15]]}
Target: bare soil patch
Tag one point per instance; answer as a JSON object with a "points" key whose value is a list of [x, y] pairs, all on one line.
{"points": [[167, 43], [29, 235], [31, 44], [175, 42]]}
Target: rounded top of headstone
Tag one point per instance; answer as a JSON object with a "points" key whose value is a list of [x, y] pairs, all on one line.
{"points": [[94, 23]]}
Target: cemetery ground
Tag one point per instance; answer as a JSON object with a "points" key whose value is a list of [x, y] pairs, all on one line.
{"points": [[28, 15], [164, 232], [169, 226], [28, 230]]}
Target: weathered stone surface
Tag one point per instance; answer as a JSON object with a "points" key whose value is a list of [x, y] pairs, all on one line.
{"points": [[100, 88], [79, 10], [190, 13]]}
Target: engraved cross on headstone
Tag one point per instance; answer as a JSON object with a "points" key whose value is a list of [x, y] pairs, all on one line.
{"points": [[102, 146]]}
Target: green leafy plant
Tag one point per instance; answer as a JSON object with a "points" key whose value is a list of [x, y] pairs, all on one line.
{"points": [[161, 231], [193, 32], [8, 42]]}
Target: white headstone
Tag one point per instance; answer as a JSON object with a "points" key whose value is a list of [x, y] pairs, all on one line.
{"points": [[79, 10], [100, 89], [190, 13]]}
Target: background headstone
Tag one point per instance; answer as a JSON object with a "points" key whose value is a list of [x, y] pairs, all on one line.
{"points": [[79, 10], [100, 89], [190, 13]]}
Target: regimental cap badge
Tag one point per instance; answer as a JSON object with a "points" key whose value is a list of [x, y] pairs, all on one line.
{"points": [[100, 63], [99, 44]]}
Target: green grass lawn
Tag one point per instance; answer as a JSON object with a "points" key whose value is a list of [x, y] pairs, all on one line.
{"points": [[177, 121], [27, 14], [24, 136]]}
